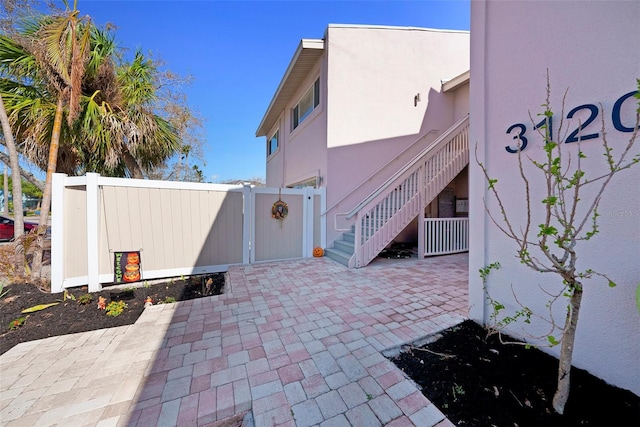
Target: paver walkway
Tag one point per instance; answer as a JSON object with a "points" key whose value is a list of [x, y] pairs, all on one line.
{"points": [[296, 343]]}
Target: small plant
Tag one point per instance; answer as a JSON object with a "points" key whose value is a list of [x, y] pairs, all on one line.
{"points": [[4, 291], [15, 324], [457, 391], [85, 299], [7, 263], [147, 285], [38, 307], [484, 271], [169, 300], [68, 296], [115, 308]]}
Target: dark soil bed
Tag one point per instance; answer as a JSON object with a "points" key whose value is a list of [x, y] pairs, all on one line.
{"points": [[70, 316], [477, 381]]}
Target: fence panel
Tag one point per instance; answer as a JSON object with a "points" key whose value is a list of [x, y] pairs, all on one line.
{"points": [[179, 228], [75, 231]]}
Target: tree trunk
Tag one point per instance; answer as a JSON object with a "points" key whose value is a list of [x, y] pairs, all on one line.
{"points": [[46, 196], [134, 168], [25, 174], [6, 190], [566, 351], [18, 219]]}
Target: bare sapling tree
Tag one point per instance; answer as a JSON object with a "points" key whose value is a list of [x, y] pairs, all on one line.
{"points": [[570, 199]]}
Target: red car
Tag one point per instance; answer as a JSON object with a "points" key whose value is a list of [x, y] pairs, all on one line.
{"points": [[6, 228]]}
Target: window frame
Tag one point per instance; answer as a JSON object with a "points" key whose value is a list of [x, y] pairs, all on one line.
{"points": [[270, 150], [314, 93], [309, 182]]}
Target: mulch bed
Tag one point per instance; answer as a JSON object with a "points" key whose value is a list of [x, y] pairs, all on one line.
{"points": [[476, 381], [70, 316]]}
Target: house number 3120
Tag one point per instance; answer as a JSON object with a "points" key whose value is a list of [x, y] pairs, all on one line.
{"points": [[518, 131]]}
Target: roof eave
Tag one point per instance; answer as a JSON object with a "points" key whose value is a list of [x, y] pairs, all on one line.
{"points": [[456, 82], [308, 49]]}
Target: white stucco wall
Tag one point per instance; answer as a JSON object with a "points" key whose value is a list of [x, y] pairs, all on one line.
{"points": [[461, 102], [302, 153], [591, 48], [374, 73]]}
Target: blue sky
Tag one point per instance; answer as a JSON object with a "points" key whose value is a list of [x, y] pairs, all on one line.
{"points": [[238, 51]]}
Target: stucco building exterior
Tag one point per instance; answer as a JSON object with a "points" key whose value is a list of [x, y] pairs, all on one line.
{"points": [[355, 107], [590, 51]]}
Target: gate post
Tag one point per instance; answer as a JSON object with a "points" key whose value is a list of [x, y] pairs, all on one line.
{"points": [[93, 232], [57, 232], [247, 220], [308, 222]]}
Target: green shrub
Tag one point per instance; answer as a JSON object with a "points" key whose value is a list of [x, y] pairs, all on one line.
{"points": [[85, 299], [115, 308]]}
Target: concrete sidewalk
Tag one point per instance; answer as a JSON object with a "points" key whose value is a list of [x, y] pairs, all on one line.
{"points": [[295, 343]]}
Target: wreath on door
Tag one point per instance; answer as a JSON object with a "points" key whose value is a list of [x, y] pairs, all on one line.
{"points": [[279, 210]]}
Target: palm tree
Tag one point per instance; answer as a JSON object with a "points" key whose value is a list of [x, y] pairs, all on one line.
{"points": [[46, 64], [119, 131], [65, 67], [124, 133], [60, 49]]}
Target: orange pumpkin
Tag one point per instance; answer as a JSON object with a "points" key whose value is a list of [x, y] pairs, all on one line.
{"points": [[131, 276], [132, 267], [133, 258], [318, 251]]}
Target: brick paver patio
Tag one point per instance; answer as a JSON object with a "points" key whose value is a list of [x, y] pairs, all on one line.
{"points": [[295, 343]]}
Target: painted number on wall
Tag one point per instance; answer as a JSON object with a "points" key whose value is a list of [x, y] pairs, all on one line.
{"points": [[582, 132]]}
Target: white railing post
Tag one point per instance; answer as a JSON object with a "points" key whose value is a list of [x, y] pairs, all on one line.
{"points": [[93, 232], [57, 232], [357, 255], [422, 185], [323, 218]]}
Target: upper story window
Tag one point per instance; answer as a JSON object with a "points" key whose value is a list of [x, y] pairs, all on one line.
{"points": [[311, 182], [307, 104], [272, 144]]}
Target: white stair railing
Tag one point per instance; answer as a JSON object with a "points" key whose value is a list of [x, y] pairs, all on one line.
{"points": [[445, 236], [388, 210]]}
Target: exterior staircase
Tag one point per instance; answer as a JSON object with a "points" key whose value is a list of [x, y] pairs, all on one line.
{"points": [[343, 248], [379, 218]]}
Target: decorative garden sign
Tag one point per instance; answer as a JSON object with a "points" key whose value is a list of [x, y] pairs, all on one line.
{"points": [[126, 267]]}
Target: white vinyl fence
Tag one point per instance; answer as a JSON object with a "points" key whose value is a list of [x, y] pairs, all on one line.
{"points": [[445, 236], [179, 228]]}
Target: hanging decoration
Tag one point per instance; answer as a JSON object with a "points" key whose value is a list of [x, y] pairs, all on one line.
{"points": [[126, 267], [279, 210]]}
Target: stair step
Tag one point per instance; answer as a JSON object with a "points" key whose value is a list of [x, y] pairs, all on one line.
{"points": [[349, 237], [345, 246], [338, 255]]}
